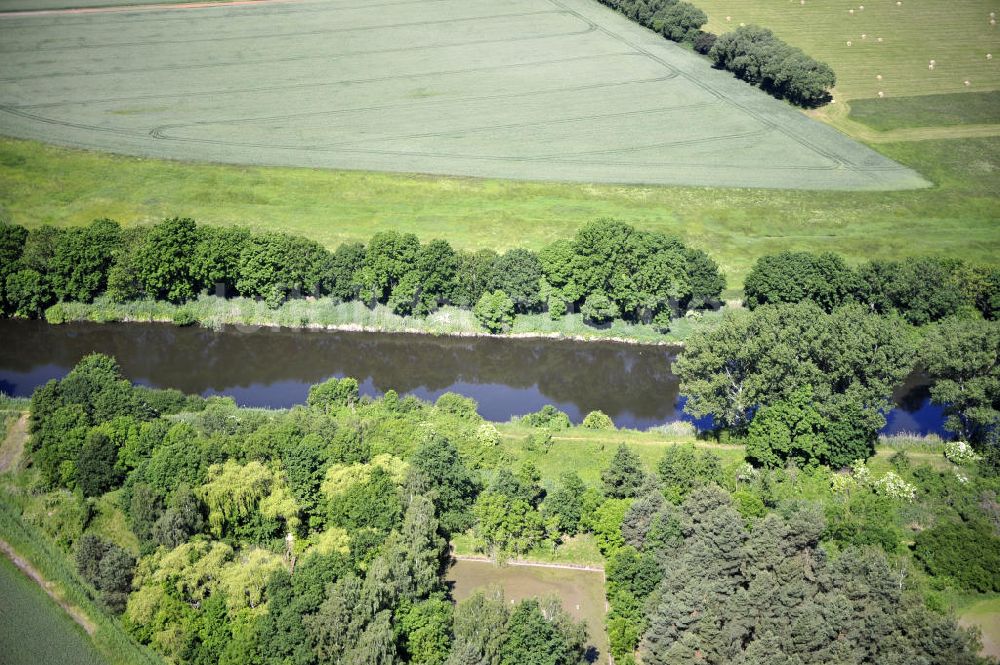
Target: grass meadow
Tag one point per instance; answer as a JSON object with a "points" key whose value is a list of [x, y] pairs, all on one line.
{"points": [[42, 184]]}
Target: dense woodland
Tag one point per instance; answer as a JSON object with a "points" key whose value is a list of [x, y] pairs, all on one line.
{"points": [[752, 53], [608, 271]]}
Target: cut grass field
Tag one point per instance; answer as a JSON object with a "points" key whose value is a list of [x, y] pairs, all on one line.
{"points": [[959, 217], [948, 110], [893, 40], [556, 90]]}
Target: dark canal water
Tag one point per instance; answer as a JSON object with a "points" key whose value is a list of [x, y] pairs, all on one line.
{"points": [[275, 367]]}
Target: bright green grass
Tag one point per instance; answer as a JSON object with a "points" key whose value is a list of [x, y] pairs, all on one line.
{"points": [[33, 629], [968, 108], [957, 35], [579, 550], [587, 452], [42, 184]]}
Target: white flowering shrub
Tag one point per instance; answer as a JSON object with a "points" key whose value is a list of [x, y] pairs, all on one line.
{"points": [[488, 435], [746, 473], [961, 477], [841, 483], [860, 472], [892, 485], [960, 452]]}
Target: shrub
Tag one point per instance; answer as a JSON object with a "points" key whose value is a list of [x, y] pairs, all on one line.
{"points": [[548, 417], [457, 405], [557, 307], [598, 420], [960, 452], [598, 309], [704, 41], [488, 435], [184, 317], [967, 552], [891, 485], [495, 311]]}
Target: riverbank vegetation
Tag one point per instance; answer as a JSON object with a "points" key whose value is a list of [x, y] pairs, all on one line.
{"points": [[609, 272], [320, 532]]}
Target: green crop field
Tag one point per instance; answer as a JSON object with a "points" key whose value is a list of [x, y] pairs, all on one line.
{"points": [[33, 629], [88, 5], [894, 41], [564, 90]]}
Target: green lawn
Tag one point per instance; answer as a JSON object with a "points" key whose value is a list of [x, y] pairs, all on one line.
{"points": [[41, 184], [957, 35], [963, 108]]}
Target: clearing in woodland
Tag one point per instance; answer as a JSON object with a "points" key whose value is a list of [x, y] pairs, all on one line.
{"points": [[562, 90]]}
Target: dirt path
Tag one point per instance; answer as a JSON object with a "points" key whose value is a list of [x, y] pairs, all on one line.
{"points": [[838, 114], [135, 8], [13, 444], [49, 587], [535, 564]]}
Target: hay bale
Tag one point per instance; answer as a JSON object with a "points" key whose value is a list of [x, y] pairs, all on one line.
{"points": [[967, 83], [989, 56], [848, 42], [881, 94], [879, 40], [878, 77]]}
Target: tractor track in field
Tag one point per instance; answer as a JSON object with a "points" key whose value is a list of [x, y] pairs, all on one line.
{"points": [[118, 9], [274, 8], [380, 107], [322, 58], [296, 33], [414, 134]]}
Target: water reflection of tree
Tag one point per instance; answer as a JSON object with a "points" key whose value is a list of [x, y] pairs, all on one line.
{"points": [[613, 377]]}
